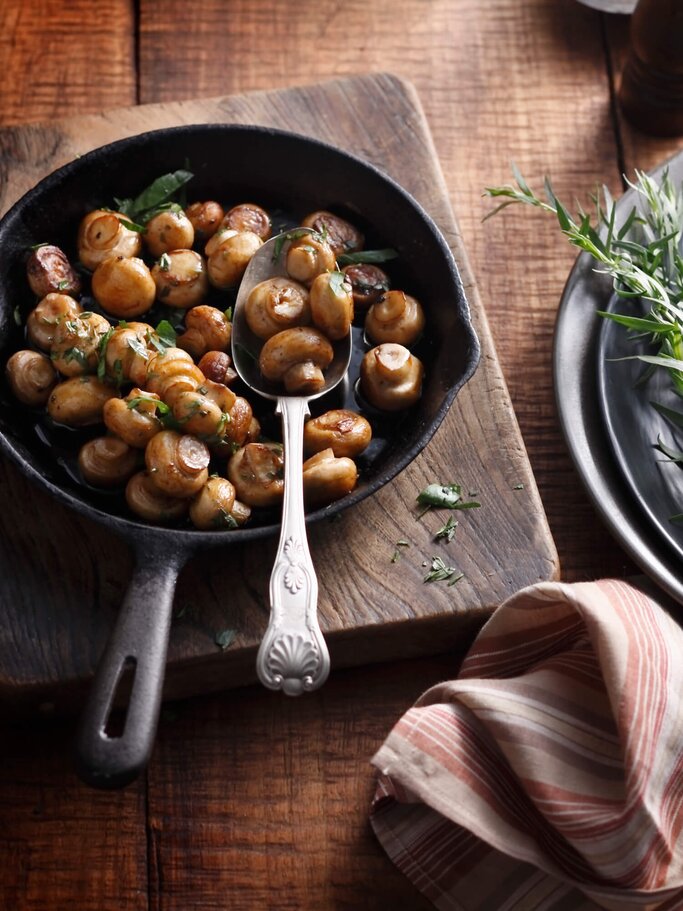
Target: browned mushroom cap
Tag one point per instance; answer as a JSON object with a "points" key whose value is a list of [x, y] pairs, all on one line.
{"points": [[107, 461], [368, 283], [206, 329], [134, 418], [211, 508], [198, 414], [180, 278], [275, 304], [341, 235], [332, 304], [177, 463], [297, 357], [327, 478], [257, 473], [345, 432], [205, 218], [31, 377], [102, 234], [123, 286], [76, 343], [307, 257], [47, 315], [228, 261], [249, 217], [164, 365], [396, 317], [79, 401], [49, 271], [169, 230], [146, 500], [216, 366], [391, 377], [127, 352]]}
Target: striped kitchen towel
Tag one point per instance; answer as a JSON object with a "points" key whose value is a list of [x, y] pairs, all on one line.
{"points": [[548, 776]]}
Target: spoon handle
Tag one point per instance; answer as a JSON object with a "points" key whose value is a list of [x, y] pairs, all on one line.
{"points": [[293, 656]]}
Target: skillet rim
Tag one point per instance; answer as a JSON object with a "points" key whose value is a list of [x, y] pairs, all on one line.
{"points": [[134, 529]]}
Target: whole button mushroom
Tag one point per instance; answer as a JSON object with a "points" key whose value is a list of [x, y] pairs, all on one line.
{"points": [[107, 461], [76, 343], [79, 401], [391, 377], [217, 366], [307, 257], [332, 305], [227, 263], [297, 357], [43, 320], [146, 500], [328, 478], [275, 304], [205, 218], [126, 352], [341, 235], [343, 431], [31, 377], [396, 317], [177, 463], [211, 508], [247, 216], [180, 279], [368, 283], [102, 234], [123, 286], [257, 474], [169, 230], [134, 418], [206, 329], [49, 271]]}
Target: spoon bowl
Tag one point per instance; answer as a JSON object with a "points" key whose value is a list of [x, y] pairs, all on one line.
{"points": [[293, 656]]}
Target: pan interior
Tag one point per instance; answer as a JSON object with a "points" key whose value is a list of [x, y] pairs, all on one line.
{"points": [[290, 176]]}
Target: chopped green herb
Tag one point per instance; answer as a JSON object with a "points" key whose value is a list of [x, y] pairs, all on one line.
{"points": [[16, 314], [75, 354], [447, 531], [339, 284], [160, 406], [102, 353], [63, 285], [164, 262], [674, 455], [138, 348], [446, 496], [439, 572], [225, 638], [167, 334], [369, 257], [38, 246], [155, 198], [518, 487], [228, 314]]}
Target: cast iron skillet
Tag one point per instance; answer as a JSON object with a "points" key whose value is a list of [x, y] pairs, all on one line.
{"points": [[232, 164]]}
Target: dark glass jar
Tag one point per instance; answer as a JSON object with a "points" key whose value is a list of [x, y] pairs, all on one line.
{"points": [[651, 91]]}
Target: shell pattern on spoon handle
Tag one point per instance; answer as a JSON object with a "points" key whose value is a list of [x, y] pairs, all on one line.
{"points": [[293, 656]]}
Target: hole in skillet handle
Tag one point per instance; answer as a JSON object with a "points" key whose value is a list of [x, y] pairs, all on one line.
{"points": [[109, 755]]}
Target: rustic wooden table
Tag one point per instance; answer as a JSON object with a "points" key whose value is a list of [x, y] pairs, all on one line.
{"points": [[250, 802]]}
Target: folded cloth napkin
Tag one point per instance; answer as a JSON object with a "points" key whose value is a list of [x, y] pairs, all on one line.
{"points": [[549, 774]]}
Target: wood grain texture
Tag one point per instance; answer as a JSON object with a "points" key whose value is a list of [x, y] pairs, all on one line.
{"points": [[499, 81], [254, 802], [65, 58], [371, 608]]}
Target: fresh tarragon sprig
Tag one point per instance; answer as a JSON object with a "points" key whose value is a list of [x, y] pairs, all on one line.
{"points": [[643, 254]]}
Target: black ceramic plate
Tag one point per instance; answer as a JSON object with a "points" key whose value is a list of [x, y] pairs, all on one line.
{"points": [[575, 369], [290, 175], [634, 425]]}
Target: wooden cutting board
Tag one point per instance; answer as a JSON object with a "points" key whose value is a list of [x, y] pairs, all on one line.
{"points": [[62, 577]]}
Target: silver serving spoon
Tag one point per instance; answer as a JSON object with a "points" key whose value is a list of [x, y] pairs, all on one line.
{"points": [[293, 655]]}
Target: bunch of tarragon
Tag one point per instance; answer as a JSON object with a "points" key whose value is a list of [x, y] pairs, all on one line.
{"points": [[643, 253]]}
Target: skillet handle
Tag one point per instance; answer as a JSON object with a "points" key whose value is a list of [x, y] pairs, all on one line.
{"points": [[137, 647]]}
